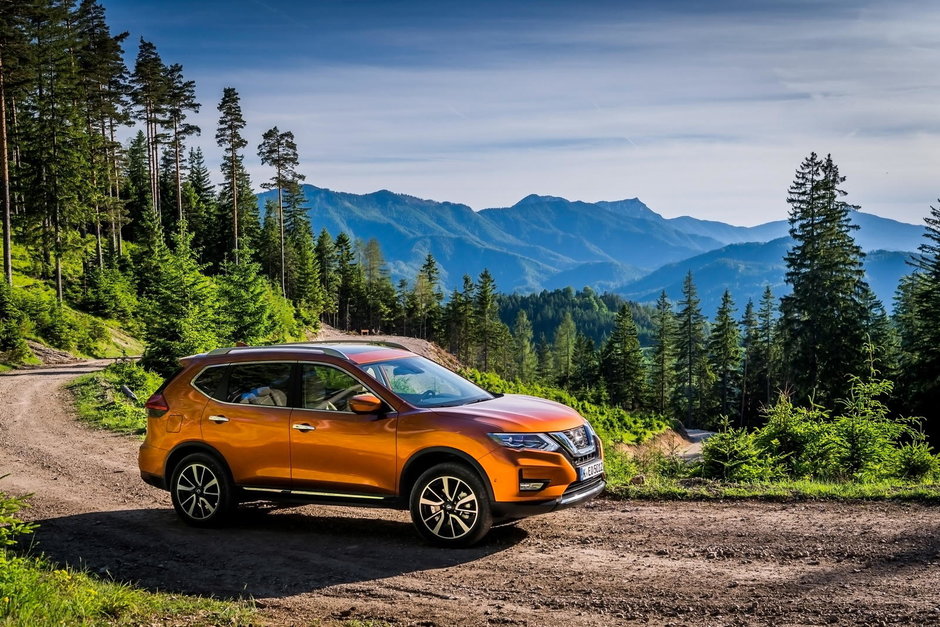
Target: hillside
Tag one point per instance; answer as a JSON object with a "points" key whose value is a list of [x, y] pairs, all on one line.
{"points": [[547, 242], [746, 269]]}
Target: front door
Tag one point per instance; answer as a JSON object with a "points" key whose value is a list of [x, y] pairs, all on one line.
{"points": [[333, 449], [249, 423]]}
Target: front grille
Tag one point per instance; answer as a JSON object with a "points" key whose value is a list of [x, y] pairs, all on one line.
{"points": [[582, 486], [583, 459]]}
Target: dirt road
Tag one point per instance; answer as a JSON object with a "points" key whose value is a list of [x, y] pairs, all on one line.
{"points": [[608, 563]]}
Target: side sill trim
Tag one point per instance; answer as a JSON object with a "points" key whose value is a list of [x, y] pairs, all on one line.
{"points": [[341, 495]]}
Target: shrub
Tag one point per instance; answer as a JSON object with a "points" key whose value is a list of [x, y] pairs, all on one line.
{"points": [[734, 455], [916, 461]]}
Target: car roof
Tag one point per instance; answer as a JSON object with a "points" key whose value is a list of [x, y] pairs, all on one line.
{"points": [[355, 351]]}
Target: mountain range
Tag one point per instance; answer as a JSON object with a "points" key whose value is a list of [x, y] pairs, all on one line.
{"points": [[546, 242]]}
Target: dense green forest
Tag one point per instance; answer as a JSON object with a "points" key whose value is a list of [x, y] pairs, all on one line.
{"points": [[141, 233]]}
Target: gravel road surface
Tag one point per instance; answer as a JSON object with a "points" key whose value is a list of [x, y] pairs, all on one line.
{"points": [[611, 562]]}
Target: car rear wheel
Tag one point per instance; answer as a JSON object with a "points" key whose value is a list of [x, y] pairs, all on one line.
{"points": [[450, 507], [201, 491]]}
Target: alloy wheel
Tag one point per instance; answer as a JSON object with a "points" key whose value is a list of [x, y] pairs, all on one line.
{"points": [[448, 507]]}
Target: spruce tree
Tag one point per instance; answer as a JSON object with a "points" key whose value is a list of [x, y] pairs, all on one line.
{"points": [[624, 367], [724, 355], [663, 355], [526, 360], [563, 350], [149, 95], [750, 362], [824, 318], [690, 353], [244, 308], [486, 317], [180, 307], [329, 281]]}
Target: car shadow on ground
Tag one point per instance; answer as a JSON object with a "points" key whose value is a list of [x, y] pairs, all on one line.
{"points": [[273, 554]]}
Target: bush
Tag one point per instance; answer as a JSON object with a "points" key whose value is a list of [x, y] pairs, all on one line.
{"points": [[916, 461], [734, 455]]}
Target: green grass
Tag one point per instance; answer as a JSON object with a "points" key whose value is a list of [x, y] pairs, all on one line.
{"points": [[658, 488], [34, 592], [99, 401]]}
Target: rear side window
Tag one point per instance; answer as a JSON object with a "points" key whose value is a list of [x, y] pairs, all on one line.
{"points": [[209, 382], [259, 383]]}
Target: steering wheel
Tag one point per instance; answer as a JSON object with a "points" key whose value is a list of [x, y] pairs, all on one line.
{"points": [[428, 394], [327, 405]]}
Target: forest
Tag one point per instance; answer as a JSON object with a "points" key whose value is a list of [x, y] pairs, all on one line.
{"points": [[141, 234]]}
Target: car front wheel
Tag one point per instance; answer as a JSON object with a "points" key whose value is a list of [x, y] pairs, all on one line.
{"points": [[201, 491], [450, 507]]}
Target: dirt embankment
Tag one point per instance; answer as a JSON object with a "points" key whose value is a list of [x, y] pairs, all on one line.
{"points": [[607, 563], [421, 347]]}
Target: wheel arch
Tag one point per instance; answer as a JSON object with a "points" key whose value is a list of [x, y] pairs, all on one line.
{"points": [[181, 450], [427, 458]]}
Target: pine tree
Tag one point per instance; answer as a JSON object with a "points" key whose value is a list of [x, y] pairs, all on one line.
{"points": [[244, 312], [563, 350], [279, 151], [624, 367], [724, 355], [180, 98], [229, 138], [526, 360], [690, 353], [350, 281], [149, 95], [486, 317], [329, 281], [663, 357], [767, 364], [824, 319], [750, 362], [459, 316], [180, 308]]}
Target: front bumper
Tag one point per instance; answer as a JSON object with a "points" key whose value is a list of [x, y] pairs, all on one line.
{"points": [[576, 494]]}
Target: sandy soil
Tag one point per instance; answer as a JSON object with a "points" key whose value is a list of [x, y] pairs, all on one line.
{"points": [[607, 563]]}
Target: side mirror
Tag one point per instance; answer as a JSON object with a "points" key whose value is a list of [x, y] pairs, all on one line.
{"points": [[365, 404]]}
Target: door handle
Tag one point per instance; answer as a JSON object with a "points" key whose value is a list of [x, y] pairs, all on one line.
{"points": [[218, 419], [304, 427]]}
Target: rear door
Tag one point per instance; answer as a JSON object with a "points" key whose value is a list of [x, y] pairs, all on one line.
{"points": [[248, 422], [334, 449]]}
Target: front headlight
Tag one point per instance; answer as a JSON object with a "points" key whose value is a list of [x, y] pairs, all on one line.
{"points": [[535, 441]]}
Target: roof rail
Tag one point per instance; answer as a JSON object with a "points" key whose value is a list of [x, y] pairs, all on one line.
{"points": [[368, 342], [311, 345], [301, 345]]}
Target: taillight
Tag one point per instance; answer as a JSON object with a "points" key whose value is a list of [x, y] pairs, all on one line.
{"points": [[156, 406]]}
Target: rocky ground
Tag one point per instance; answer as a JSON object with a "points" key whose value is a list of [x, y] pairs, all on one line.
{"points": [[607, 563]]}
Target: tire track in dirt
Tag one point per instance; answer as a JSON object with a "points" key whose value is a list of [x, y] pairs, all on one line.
{"points": [[606, 563]]}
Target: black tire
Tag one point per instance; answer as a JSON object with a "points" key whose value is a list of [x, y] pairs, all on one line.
{"points": [[450, 506], [202, 493]]}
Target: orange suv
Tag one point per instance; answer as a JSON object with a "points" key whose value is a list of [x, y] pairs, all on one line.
{"points": [[362, 424]]}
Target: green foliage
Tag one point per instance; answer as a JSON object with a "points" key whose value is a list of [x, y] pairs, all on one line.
{"points": [[734, 455], [916, 461], [110, 294], [100, 402], [613, 424], [35, 592]]}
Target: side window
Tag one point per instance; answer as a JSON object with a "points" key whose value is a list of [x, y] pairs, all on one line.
{"points": [[259, 384], [327, 388], [209, 382]]}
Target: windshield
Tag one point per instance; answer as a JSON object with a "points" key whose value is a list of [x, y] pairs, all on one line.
{"points": [[423, 383]]}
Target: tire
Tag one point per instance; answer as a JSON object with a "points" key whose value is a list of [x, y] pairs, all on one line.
{"points": [[450, 507], [202, 493]]}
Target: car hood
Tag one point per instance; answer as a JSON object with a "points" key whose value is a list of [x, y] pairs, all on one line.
{"points": [[515, 412]]}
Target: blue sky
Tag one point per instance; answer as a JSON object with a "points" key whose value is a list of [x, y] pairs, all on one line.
{"points": [[697, 108]]}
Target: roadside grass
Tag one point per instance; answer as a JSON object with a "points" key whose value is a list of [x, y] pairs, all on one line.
{"points": [[661, 489], [35, 592], [100, 402]]}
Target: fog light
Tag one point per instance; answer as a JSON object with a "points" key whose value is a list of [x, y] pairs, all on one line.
{"points": [[532, 485]]}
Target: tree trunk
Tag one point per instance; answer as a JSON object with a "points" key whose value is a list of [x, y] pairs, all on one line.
{"points": [[5, 173], [234, 197], [179, 186]]}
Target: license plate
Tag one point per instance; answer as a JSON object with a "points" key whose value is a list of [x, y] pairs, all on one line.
{"points": [[590, 470]]}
